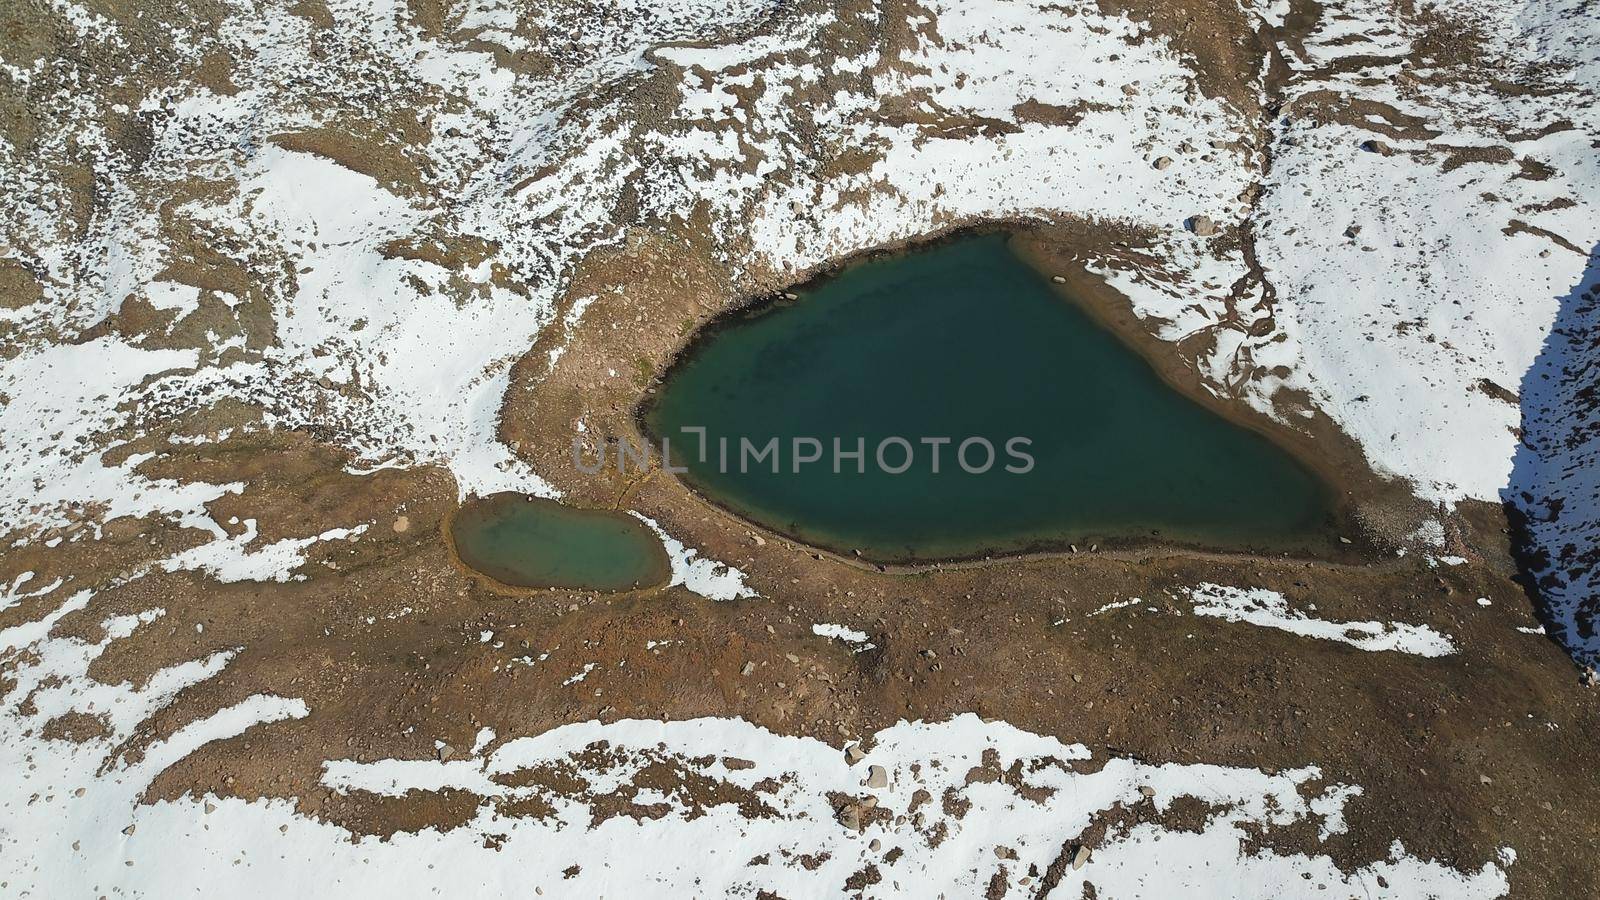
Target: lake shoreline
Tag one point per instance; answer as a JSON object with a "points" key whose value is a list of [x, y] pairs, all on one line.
{"points": [[1339, 540], [661, 563]]}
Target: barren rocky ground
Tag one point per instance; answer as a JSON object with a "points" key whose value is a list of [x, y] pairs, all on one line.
{"points": [[282, 285]]}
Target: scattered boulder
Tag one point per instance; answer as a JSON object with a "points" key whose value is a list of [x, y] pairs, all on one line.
{"points": [[445, 752], [401, 525], [1162, 163], [1147, 791], [1058, 279], [1201, 225], [1374, 145], [1080, 858], [877, 778], [850, 817], [853, 754]]}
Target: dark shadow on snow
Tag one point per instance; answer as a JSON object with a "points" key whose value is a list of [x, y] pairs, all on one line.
{"points": [[1553, 497]]}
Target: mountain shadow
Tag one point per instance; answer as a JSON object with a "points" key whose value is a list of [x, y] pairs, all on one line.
{"points": [[1553, 497]]}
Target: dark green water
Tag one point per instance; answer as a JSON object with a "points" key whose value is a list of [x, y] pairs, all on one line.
{"points": [[540, 543], [959, 340]]}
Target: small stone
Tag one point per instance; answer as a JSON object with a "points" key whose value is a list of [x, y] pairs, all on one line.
{"points": [[877, 778], [748, 668], [128, 831], [1484, 779], [1345, 540], [1376, 146], [445, 752], [401, 524], [1162, 163], [874, 845], [1130, 90], [1081, 857], [283, 829], [1058, 279], [1147, 791]]}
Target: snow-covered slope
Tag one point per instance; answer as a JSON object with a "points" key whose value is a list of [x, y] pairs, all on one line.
{"points": [[576, 812], [369, 215]]}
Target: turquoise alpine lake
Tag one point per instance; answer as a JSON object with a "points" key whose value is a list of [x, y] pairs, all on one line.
{"points": [[535, 543], [963, 342]]}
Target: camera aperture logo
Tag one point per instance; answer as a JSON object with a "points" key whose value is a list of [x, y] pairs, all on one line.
{"points": [[894, 455]]}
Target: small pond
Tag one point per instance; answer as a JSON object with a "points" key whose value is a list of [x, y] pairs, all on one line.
{"points": [[535, 543], [958, 341]]}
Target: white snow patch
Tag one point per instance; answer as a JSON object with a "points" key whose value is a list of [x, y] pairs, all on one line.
{"points": [[1270, 609], [860, 639], [706, 577]]}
